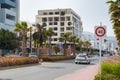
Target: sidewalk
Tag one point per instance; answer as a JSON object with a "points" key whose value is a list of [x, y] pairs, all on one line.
{"points": [[87, 73]]}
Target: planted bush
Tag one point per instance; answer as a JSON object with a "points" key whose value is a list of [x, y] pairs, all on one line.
{"points": [[56, 58], [13, 61], [110, 69]]}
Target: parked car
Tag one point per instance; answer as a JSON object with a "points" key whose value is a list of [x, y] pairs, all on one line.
{"points": [[32, 54], [82, 58], [97, 53]]}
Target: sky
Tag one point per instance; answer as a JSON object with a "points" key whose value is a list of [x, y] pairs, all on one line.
{"points": [[92, 12]]}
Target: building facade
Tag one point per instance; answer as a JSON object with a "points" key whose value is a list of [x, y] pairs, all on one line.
{"points": [[61, 21], [9, 13]]}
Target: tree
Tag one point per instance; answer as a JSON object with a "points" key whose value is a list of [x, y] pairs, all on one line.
{"points": [[56, 49], [64, 39], [22, 28], [114, 11], [87, 44], [50, 33], [30, 29], [74, 40], [46, 44], [40, 36], [8, 40], [80, 43]]}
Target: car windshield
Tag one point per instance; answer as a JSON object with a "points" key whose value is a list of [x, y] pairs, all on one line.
{"points": [[81, 55], [32, 53]]}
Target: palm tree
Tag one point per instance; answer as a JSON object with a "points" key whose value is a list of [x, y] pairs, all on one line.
{"points": [[114, 10], [87, 44], [74, 40], [30, 29], [46, 44], [64, 39], [56, 49], [50, 33], [22, 28], [80, 43], [40, 36]]}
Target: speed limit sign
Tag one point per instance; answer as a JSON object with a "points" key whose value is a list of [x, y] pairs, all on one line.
{"points": [[100, 31]]}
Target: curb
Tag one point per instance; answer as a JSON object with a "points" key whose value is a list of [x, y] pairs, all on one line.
{"points": [[19, 66]]}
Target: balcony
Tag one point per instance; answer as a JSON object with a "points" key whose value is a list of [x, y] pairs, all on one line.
{"points": [[6, 12], [10, 17], [10, 22], [8, 4], [11, 12]]}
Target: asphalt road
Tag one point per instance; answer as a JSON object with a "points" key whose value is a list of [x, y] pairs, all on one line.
{"points": [[46, 71]]}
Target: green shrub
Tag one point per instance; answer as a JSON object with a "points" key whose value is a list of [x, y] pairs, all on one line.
{"points": [[107, 67], [110, 69], [107, 77], [116, 69]]}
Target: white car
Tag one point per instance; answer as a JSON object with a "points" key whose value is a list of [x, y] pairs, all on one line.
{"points": [[32, 55], [82, 58]]}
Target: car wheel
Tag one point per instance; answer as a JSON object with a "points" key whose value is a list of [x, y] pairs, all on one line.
{"points": [[89, 62], [75, 62]]}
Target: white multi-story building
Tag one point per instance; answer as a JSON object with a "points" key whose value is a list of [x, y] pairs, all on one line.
{"points": [[62, 21], [9, 13]]}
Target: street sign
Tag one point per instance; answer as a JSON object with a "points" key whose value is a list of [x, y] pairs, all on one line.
{"points": [[100, 31]]}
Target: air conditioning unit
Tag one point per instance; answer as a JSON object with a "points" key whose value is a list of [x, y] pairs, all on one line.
{"points": [[69, 23]]}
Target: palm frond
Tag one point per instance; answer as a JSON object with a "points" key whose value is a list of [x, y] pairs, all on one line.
{"points": [[110, 2]]}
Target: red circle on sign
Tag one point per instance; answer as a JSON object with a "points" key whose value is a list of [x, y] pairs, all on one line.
{"points": [[100, 28]]}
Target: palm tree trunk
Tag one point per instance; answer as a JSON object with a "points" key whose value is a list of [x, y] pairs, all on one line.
{"points": [[65, 48], [30, 41], [74, 49], [49, 49], [23, 50], [80, 48]]}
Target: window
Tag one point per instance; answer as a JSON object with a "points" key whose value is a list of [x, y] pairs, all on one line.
{"points": [[44, 13], [55, 39], [55, 28], [69, 28], [44, 19], [50, 19], [56, 12], [62, 29], [61, 34], [68, 18], [50, 13], [13, 0], [50, 23], [62, 24], [70, 33], [55, 34], [62, 18], [10, 17], [56, 18], [63, 13], [55, 23]]}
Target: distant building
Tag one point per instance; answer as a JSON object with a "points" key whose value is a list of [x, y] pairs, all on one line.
{"points": [[9, 13], [62, 21], [109, 43]]}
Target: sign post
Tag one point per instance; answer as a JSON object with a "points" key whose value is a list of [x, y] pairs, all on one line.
{"points": [[100, 32]]}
